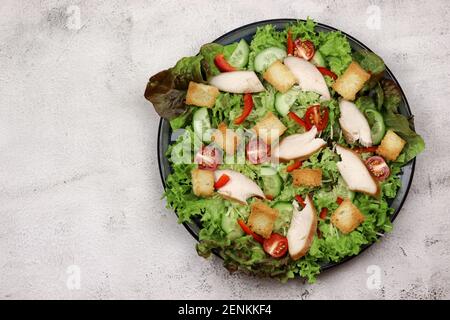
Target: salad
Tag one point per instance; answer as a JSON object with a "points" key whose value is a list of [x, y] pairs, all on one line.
{"points": [[290, 148]]}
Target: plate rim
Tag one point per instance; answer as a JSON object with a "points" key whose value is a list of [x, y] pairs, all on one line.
{"points": [[363, 248]]}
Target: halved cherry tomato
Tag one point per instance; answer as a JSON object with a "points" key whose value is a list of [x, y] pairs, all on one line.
{"points": [[297, 164], [324, 71], [222, 64], [300, 200], [304, 49], [314, 116], [248, 107], [378, 167], [223, 180], [248, 231], [297, 119], [290, 44], [366, 149], [208, 158], [339, 200], [257, 151], [323, 213], [276, 246]]}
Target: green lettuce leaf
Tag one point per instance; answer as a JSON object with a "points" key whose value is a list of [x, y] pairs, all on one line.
{"points": [[336, 51], [401, 125]]}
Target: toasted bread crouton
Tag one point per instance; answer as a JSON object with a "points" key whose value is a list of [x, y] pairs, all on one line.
{"points": [[226, 139], [261, 219], [269, 128], [279, 76], [307, 177], [347, 217], [391, 146], [202, 182], [201, 95], [351, 81]]}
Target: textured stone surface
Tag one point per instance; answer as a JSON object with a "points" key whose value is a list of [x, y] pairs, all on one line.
{"points": [[79, 183]]}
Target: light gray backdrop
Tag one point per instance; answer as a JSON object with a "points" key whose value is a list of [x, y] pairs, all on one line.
{"points": [[81, 214]]}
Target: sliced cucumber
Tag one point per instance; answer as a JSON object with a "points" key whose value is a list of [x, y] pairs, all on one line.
{"points": [[230, 226], [284, 101], [272, 181], [239, 57], [318, 59], [268, 56], [376, 123], [202, 124], [285, 210]]}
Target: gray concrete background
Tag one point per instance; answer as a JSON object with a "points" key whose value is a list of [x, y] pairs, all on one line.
{"points": [[79, 182]]}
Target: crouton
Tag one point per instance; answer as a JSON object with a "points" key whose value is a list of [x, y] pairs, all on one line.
{"points": [[201, 95], [307, 177], [391, 146], [349, 83], [226, 139], [279, 76], [269, 128], [202, 182], [261, 219], [347, 217]]}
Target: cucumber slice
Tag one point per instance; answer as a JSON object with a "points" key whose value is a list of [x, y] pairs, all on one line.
{"points": [[318, 59], [268, 56], [230, 226], [272, 181], [285, 210], [376, 123], [239, 57], [202, 124], [284, 101]]}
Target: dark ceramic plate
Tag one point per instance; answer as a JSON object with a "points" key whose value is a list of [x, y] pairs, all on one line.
{"points": [[247, 32]]}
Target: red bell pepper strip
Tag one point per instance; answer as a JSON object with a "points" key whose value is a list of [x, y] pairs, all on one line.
{"points": [[290, 44], [323, 213], [326, 72], [339, 200], [222, 64], [248, 231], [297, 164], [223, 180], [297, 119], [248, 107], [300, 200], [366, 149]]}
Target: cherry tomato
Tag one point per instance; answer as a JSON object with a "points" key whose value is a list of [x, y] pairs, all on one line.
{"points": [[276, 245], [257, 151], [378, 167], [304, 49], [339, 200], [208, 158], [314, 116]]}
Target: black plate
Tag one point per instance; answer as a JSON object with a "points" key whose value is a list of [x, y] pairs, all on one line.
{"points": [[247, 32]]}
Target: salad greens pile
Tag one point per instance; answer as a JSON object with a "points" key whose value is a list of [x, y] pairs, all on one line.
{"points": [[378, 98]]}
